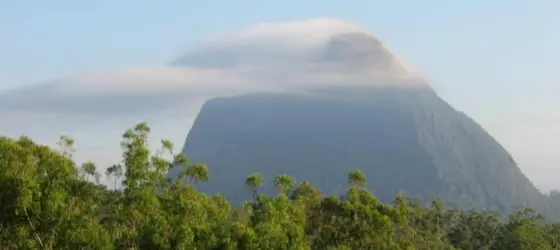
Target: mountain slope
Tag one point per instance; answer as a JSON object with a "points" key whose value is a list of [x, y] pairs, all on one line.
{"points": [[404, 139]]}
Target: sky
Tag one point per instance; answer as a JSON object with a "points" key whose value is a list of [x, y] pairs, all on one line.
{"points": [[495, 60]]}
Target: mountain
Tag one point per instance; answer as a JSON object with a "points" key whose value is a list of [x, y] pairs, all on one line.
{"points": [[404, 139], [353, 105]]}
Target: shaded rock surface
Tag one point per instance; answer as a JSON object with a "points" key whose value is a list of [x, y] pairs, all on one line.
{"points": [[404, 139]]}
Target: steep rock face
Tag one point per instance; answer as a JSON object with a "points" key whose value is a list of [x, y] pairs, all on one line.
{"points": [[404, 139]]}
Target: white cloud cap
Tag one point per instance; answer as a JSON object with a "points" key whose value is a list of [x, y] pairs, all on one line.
{"points": [[288, 56]]}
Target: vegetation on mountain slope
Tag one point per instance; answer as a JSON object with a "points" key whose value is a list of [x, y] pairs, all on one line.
{"points": [[48, 202]]}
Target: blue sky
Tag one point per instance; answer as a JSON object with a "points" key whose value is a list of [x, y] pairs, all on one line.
{"points": [[469, 46], [41, 40], [497, 60]]}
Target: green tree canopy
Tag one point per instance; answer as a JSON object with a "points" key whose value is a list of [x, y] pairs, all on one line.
{"points": [[47, 201]]}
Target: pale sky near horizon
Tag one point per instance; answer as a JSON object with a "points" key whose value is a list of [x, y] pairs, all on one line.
{"points": [[496, 60]]}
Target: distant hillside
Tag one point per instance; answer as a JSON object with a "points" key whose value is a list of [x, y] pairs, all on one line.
{"points": [[404, 139]]}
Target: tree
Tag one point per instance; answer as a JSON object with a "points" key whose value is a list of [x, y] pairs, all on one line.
{"points": [[116, 172], [307, 191], [357, 179], [524, 230], [44, 204], [284, 183], [47, 201], [253, 182], [197, 172], [89, 171], [66, 144]]}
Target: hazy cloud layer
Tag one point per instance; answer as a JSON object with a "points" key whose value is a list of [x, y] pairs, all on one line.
{"points": [[291, 56]]}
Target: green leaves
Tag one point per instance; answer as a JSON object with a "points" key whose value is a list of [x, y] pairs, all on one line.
{"points": [[66, 144], [357, 179], [48, 202], [197, 172], [253, 182], [284, 183], [89, 170]]}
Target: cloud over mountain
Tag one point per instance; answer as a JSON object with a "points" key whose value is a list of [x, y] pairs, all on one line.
{"points": [[281, 57], [290, 56]]}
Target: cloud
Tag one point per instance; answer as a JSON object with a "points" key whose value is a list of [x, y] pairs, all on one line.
{"points": [[289, 56], [132, 90], [303, 55]]}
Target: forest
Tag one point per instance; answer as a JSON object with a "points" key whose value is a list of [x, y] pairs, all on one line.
{"points": [[48, 201]]}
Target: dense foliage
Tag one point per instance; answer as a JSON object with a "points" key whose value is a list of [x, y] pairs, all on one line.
{"points": [[47, 202]]}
